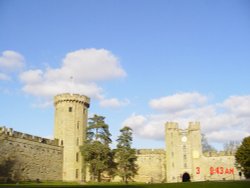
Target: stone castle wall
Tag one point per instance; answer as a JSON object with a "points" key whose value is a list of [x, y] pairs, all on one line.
{"points": [[151, 164], [218, 168], [33, 158], [30, 157]]}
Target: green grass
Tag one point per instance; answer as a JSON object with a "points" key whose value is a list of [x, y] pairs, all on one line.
{"points": [[231, 184]]}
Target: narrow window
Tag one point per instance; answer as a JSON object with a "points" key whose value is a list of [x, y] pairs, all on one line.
{"points": [[77, 173], [77, 157], [70, 109], [184, 148], [61, 142]]}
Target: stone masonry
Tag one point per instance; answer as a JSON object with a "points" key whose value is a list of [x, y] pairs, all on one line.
{"points": [[32, 157]]}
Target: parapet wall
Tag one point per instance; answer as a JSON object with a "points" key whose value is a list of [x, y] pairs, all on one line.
{"points": [[29, 157], [192, 126], [72, 97], [218, 154], [150, 151], [10, 132]]}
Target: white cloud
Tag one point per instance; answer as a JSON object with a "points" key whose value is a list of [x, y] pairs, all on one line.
{"points": [[91, 64], [48, 88], [4, 77], [11, 61], [178, 101], [146, 126], [221, 122], [114, 103], [79, 73], [32, 76], [226, 135], [238, 105]]}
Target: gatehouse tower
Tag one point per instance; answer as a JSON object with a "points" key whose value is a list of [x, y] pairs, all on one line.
{"points": [[183, 152], [71, 113]]}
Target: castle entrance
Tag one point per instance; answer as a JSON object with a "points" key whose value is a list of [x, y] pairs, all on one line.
{"points": [[185, 177]]}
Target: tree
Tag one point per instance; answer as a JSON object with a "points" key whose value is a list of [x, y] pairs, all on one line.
{"points": [[243, 156], [126, 156], [231, 146], [98, 130], [206, 147], [96, 151]]}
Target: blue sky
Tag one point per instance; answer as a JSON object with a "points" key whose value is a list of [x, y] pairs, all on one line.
{"points": [[143, 63]]}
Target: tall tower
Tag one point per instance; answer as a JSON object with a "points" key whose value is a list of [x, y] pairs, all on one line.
{"points": [[172, 152], [71, 113], [183, 152]]}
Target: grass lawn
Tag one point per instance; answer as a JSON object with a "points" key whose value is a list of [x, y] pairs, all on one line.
{"points": [[231, 184]]}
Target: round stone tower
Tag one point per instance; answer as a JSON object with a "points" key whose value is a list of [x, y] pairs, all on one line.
{"points": [[71, 113]]}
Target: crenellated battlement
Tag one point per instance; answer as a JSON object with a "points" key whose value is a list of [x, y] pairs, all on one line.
{"points": [[67, 97], [218, 154], [171, 125], [10, 132], [192, 126], [150, 151]]}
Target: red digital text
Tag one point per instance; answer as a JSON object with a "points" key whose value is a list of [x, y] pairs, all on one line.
{"points": [[221, 170], [217, 170]]}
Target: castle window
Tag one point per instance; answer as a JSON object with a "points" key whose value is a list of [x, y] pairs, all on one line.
{"points": [[77, 173], [70, 109], [172, 164], [184, 148], [61, 142], [185, 156], [77, 157]]}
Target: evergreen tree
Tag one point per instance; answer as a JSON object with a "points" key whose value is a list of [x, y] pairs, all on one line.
{"points": [[98, 130], [243, 156], [125, 156], [96, 151]]}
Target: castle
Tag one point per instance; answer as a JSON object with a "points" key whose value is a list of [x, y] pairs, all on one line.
{"points": [[33, 158]]}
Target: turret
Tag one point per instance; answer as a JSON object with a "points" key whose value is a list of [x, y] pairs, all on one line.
{"points": [[71, 113]]}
